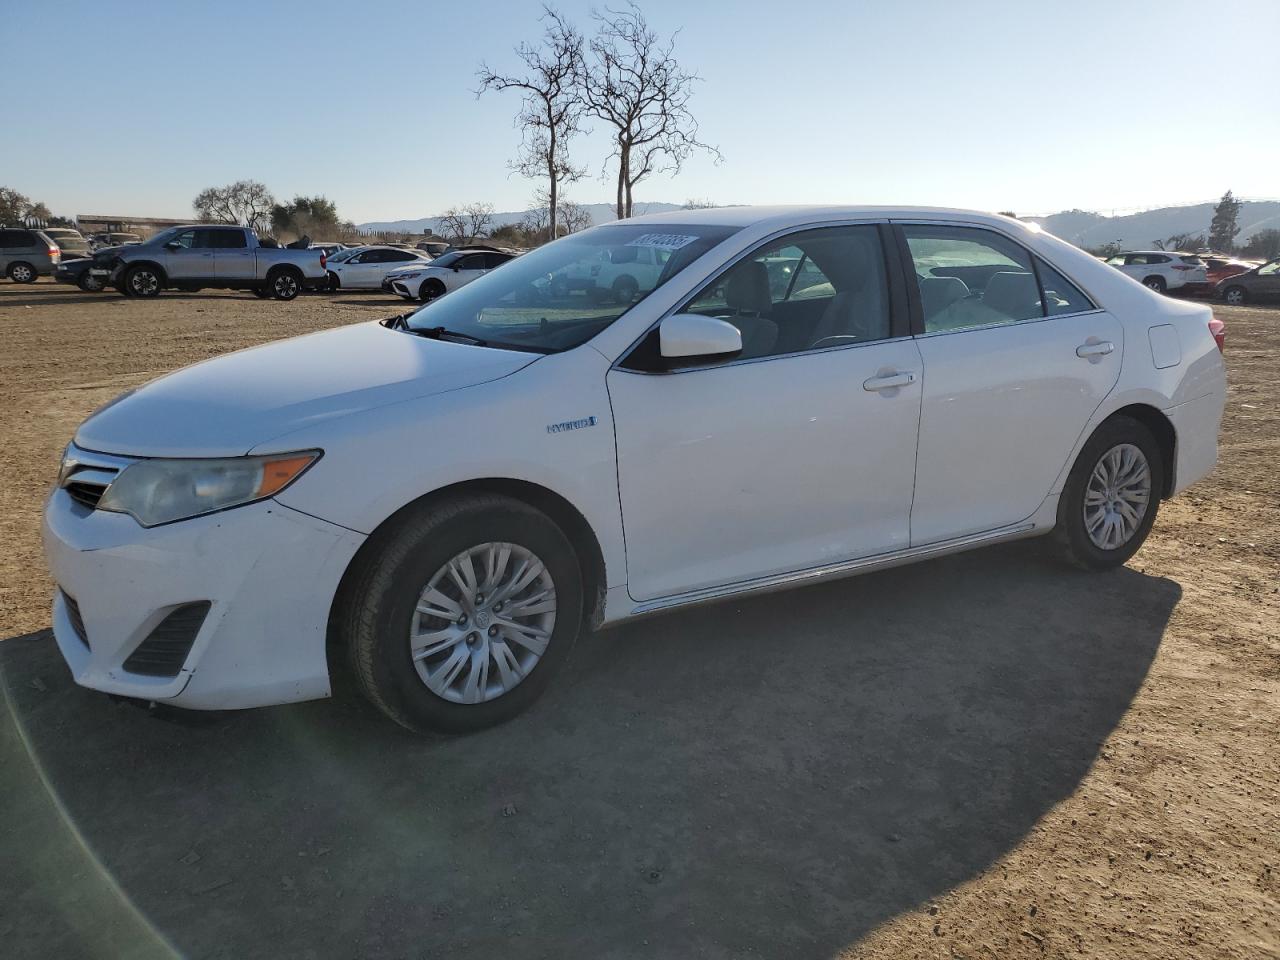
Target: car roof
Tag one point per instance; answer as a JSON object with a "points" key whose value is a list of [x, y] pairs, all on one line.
{"points": [[747, 216]]}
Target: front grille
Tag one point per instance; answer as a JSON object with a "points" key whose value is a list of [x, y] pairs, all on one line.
{"points": [[86, 494], [85, 475], [77, 621], [165, 650]]}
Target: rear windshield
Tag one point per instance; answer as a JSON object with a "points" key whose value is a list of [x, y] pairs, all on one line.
{"points": [[1193, 260]]}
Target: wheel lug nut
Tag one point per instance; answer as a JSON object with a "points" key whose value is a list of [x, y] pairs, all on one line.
{"points": [[498, 605], [493, 631], [479, 598], [462, 620]]}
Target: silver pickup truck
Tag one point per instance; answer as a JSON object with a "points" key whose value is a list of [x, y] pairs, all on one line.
{"points": [[209, 255]]}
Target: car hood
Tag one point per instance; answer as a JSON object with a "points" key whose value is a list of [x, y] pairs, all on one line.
{"points": [[228, 405]]}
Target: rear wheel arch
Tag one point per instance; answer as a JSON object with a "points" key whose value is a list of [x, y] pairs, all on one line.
{"points": [[559, 510], [1165, 435]]}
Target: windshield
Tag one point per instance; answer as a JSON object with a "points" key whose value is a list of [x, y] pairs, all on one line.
{"points": [[345, 254], [563, 294], [447, 259], [159, 238]]}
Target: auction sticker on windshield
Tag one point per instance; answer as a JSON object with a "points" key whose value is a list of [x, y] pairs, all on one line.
{"points": [[663, 241]]}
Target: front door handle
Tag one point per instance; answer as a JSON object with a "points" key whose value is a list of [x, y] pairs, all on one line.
{"points": [[1095, 348], [890, 381]]}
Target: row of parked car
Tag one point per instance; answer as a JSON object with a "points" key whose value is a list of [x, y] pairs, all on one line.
{"points": [[1227, 278]]}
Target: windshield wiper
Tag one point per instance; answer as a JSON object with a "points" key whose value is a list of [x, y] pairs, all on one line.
{"points": [[440, 333]]}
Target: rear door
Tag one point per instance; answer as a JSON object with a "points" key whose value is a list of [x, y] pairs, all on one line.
{"points": [[1016, 360], [233, 258]]}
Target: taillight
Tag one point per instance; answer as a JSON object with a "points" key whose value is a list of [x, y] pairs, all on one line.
{"points": [[1183, 267], [1219, 331], [54, 253], [324, 259]]}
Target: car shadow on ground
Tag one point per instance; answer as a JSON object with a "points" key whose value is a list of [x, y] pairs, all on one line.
{"points": [[776, 775]]}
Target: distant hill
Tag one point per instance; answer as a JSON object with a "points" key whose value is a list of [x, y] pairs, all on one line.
{"points": [[1141, 230], [600, 213]]}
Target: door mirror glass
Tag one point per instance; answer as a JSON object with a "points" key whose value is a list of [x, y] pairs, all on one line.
{"points": [[173, 245], [686, 335]]}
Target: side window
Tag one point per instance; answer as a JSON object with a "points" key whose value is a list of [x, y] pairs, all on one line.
{"points": [[473, 261], [809, 291], [1270, 269], [226, 239], [495, 260], [1060, 294], [186, 239], [969, 277], [9, 239]]}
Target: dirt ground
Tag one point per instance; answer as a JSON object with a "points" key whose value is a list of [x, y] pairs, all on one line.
{"points": [[986, 755]]}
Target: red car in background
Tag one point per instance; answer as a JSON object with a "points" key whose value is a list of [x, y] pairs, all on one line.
{"points": [[1219, 267]]}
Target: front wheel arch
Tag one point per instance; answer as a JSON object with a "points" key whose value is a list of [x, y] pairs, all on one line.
{"points": [[562, 513]]}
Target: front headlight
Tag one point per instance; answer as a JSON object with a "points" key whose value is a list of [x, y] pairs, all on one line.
{"points": [[162, 491], [406, 276]]}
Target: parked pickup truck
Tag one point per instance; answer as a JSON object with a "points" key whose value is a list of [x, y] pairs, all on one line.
{"points": [[207, 255]]}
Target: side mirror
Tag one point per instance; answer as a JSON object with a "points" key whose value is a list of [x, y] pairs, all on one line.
{"points": [[686, 335], [173, 245]]}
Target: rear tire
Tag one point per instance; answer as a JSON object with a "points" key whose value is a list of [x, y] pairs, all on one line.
{"points": [[1113, 493], [382, 607], [334, 284], [1236, 296], [20, 272], [1155, 283], [285, 283]]}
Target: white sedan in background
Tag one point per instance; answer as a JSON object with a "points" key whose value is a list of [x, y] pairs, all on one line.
{"points": [[364, 268], [449, 271], [437, 501]]}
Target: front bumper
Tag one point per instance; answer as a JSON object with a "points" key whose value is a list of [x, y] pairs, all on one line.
{"points": [[268, 572], [399, 288]]}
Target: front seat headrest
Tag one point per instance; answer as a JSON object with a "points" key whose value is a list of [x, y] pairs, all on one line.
{"points": [[748, 288], [1016, 295]]}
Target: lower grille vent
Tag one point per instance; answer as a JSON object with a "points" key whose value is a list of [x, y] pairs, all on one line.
{"points": [[77, 621], [165, 650]]}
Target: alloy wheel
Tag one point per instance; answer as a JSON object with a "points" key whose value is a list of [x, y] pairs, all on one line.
{"points": [[483, 622], [21, 273], [1117, 496], [144, 283], [286, 286]]}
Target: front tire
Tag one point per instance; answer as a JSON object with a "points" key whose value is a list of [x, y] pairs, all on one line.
{"points": [[1111, 496], [457, 617], [430, 289], [1236, 296], [89, 283], [142, 281], [22, 272]]}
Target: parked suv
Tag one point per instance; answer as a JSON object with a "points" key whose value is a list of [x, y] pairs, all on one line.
{"points": [[27, 254], [1260, 283], [1164, 272], [437, 502]]}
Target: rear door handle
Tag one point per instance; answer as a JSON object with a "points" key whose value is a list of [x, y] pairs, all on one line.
{"points": [[889, 382], [1095, 349]]}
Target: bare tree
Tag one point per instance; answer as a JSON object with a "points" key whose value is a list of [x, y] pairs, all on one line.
{"points": [[453, 224], [479, 217], [246, 202], [635, 85], [703, 204], [574, 217], [537, 218], [551, 108]]}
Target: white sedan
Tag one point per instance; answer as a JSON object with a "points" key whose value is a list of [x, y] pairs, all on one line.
{"points": [[364, 268], [447, 272], [801, 394]]}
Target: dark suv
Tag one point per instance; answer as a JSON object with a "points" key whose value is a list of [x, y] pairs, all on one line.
{"points": [[26, 254]]}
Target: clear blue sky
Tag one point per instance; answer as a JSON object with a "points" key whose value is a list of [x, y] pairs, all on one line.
{"points": [[132, 108]]}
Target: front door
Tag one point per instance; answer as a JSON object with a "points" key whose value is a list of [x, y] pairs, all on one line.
{"points": [[1016, 360], [189, 256], [795, 453]]}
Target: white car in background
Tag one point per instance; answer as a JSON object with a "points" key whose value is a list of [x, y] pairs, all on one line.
{"points": [[364, 268], [620, 274], [438, 500], [447, 272], [1164, 271]]}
